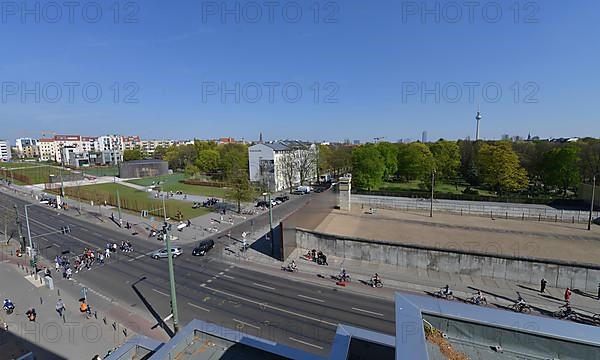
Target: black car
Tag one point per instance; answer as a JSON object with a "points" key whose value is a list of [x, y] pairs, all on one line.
{"points": [[203, 247], [262, 203], [282, 199]]}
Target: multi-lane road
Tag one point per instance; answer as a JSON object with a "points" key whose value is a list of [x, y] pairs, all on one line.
{"points": [[211, 288]]}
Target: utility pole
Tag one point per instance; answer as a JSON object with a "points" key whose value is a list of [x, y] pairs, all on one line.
{"points": [[29, 230], [592, 203], [432, 189], [20, 231], [171, 273], [119, 207]]}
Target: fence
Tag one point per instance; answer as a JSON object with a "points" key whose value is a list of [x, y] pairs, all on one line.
{"points": [[492, 210]]}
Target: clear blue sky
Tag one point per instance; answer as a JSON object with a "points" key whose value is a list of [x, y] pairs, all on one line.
{"points": [[369, 54]]}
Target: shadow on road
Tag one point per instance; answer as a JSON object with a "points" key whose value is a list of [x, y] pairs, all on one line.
{"points": [[155, 314]]}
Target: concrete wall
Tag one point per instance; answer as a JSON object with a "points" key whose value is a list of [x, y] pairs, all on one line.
{"points": [[558, 274]]}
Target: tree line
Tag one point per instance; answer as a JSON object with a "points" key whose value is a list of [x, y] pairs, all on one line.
{"points": [[501, 166]]}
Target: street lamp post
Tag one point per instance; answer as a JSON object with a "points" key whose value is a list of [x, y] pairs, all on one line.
{"points": [[171, 273], [432, 189], [592, 203], [29, 231]]}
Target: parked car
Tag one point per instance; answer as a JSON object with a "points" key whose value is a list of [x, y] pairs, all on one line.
{"points": [[282, 199], [304, 189], [162, 253], [203, 247]]}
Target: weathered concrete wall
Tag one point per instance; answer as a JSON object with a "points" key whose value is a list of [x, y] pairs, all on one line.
{"points": [[526, 270]]}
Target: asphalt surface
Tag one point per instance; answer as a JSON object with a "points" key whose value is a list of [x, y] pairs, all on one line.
{"points": [[209, 288]]}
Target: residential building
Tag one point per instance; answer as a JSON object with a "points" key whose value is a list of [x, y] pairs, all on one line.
{"points": [[48, 150], [283, 165], [5, 154], [22, 143], [30, 152], [131, 142]]}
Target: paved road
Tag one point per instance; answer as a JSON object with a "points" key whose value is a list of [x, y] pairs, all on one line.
{"points": [[210, 288]]}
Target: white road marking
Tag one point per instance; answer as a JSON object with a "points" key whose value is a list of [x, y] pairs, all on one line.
{"points": [[137, 257], [160, 292], [245, 323], [306, 343], [263, 305], [198, 307], [311, 298], [55, 244], [264, 286], [84, 229], [221, 273], [209, 280], [228, 277], [367, 311]]}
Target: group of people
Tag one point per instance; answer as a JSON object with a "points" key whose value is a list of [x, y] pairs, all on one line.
{"points": [[317, 257]]}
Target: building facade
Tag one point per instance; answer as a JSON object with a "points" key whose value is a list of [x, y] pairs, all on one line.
{"points": [[5, 154], [282, 165]]}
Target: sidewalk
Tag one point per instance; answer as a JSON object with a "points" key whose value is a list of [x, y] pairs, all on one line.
{"points": [[50, 336]]}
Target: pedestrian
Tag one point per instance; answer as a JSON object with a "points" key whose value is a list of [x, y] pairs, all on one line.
{"points": [[60, 307], [69, 273], [31, 315], [543, 285], [107, 253], [57, 263], [568, 295]]}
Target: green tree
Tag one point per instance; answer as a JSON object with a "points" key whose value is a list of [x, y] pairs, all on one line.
{"points": [[341, 159], [240, 189], [135, 154], [159, 153], [415, 161], [389, 153], [561, 167], [368, 167], [324, 161], [446, 155], [590, 158], [500, 168], [233, 159], [191, 170], [208, 160]]}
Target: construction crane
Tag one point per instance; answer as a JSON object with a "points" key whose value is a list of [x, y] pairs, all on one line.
{"points": [[46, 133]]}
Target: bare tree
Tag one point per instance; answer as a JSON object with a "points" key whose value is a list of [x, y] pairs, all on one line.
{"points": [[307, 164], [288, 168]]}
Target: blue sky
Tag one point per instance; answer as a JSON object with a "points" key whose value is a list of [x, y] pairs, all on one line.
{"points": [[376, 65]]}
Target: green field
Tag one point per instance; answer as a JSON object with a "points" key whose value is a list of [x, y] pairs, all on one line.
{"points": [[132, 199], [173, 183], [415, 185], [31, 172]]}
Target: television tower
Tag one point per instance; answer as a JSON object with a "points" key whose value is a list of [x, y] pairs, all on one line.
{"points": [[478, 117]]}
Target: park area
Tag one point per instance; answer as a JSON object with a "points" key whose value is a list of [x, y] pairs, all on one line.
{"points": [[175, 183], [24, 173], [133, 200]]}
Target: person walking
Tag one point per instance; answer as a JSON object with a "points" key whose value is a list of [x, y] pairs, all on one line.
{"points": [[543, 284], [60, 307], [568, 295]]}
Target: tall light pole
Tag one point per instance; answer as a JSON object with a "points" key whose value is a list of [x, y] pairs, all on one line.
{"points": [[171, 273], [29, 231], [19, 229], [592, 203], [432, 189]]}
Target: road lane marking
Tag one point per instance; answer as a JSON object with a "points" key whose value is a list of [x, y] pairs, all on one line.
{"points": [[198, 307], [137, 257], [264, 286], [221, 273], [55, 244], [367, 311], [311, 298], [84, 229], [306, 343], [245, 323], [262, 305], [160, 292], [228, 277]]}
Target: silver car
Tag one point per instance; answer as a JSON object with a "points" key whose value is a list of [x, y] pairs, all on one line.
{"points": [[162, 253]]}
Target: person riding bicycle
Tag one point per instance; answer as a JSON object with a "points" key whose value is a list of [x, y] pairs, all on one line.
{"points": [[343, 274], [446, 290], [375, 280], [293, 266], [8, 304], [568, 310], [479, 298]]}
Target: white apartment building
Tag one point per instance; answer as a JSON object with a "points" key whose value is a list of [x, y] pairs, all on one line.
{"points": [[282, 165], [48, 150], [22, 143], [131, 142], [5, 154]]}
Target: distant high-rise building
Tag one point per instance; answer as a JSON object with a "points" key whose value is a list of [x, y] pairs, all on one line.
{"points": [[5, 154], [505, 137], [424, 137], [356, 142]]}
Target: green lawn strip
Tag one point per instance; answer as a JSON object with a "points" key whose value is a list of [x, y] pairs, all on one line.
{"points": [[173, 183], [132, 199], [30, 173], [102, 171], [415, 185]]}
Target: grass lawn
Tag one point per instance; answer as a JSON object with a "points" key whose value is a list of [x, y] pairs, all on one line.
{"points": [[414, 185], [132, 199], [172, 183], [31, 172]]}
